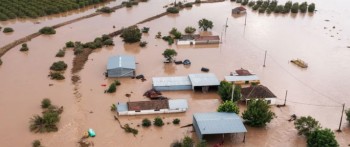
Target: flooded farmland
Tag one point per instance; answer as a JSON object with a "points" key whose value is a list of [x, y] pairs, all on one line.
{"points": [[318, 91]]}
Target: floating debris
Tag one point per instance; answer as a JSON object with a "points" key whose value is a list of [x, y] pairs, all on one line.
{"points": [[300, 63]]}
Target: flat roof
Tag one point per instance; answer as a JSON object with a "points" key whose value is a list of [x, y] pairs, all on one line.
{"points": [[148, 105], [171, 81], [235, 78], [219, 123], [258, 91], [178, 104], [122, 107], [121, 61], [207, 38], [204, 79]]}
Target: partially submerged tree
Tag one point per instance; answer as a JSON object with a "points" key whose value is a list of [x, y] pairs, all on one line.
{"points": [[131, 35], [146, 122], [258, 113], [237, 93], [228, 106], [169, 54], [158, 122], [8, 30], [24, 47], [205, 24], [322, 138], [45, 103], [190, 30], [225, 90], [36, 143], [176, 121], [305, 125], [187, 142], [172, 10], [47, 30], [58, 66], [311, 7], [61, 53]]}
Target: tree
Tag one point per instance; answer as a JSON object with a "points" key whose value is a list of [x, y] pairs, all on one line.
{"points": [[311, 7], [146, 122], [169, 54], [24, 47], [8, 30], [347, 112], [131, 35], [225, 90], [47, 30], [187, 142], [158, 122], [190, 30], [58, 66], [176, 121], [70, 44], [61, 53], [202, 143], [305, 125], [258, 113], [112, 88], [228, 106], [321, 138], [36, 143], [237, 93], [172, 10], [45, 103], [205, 24]]}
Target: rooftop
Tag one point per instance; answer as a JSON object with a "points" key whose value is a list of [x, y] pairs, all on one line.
{"points": [[208, 79], [178, 104], [200, 38], [171, 81], [258, 91], [148, 105], [243, 72], [121, 61], [235, 78], [239, 8]]}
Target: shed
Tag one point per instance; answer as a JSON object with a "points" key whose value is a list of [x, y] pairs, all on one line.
{"points": [[239, 10], [171, 83], [121, 66], [217, 123], [207, 40], [237, 79], [204, 81], [258, 91]]}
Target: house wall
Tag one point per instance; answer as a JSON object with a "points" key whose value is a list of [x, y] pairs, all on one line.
{"points": [[196, 129], [249, 82], [271, 100], [207, 41], [173, 88], [185, 42], [121, 72], [144, 112]]}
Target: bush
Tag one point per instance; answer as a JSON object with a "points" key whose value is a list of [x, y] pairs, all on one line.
{"points": [[311, 7], [188, 5], [322, 137], [45, 103], [47, 30], [258, 113], [69, 44], [61, 53], [256, 7], [56, 76], [172, 10], [278, 9], [0, 62], [187, 142], [112, 88], [146, 122], [295, 7], [116, 82], [251, 3], [36, 143], [24, 47], [131, 35], [158, 122], [113, 107], [58, 66], [106, 10], [78, 50], [245, 2], [128, 129], [205, 24], [262, 10], [47, 123], [305, 125], [8, 30], [238, 1], [176, 143], [190, 30], [176, 121], [169, 54], [228, 106], [225, 90], [303, 7], [143, 44]]}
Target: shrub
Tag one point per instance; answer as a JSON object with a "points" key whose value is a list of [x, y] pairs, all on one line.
{"points": [[112, 88], [24, 47], [108, 42], [245, 2], [45, 103], [36, 143], [47, 30], [61, 53], [158, 122], [106, 10], [176, 143], [311, 7], [143, 44], [278, 9], [187, 142], [197, 1], [69, 44], [116, 82], [128, 129], [190, 30], [188, 5], [145, 29], [58, 66], [258, 113], [176, 121], [322, 137], [47, 123], [228, 106], [305, 125], [256, 7], [56, 76], [8, 30], [205, 24], [172, 10], [169, 54], [238, 1], [225, 90], [113, 107], [146, 122], [0, 62], [202, 143], [303, 7], [262, 10], [295, 7], [78, 50], [251, 3], [131, 35]]}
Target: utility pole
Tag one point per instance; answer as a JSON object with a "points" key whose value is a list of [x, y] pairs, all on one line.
{"points": [[245, 20], [341, 119], [285, 98], [226, 25], [265, 58]]}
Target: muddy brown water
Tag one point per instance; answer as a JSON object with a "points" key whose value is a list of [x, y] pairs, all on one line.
{"points": [[317, 91]]}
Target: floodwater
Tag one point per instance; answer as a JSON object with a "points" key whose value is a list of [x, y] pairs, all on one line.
{"points": [[317, 91]]}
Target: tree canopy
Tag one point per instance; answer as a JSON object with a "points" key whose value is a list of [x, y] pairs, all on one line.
{"points": [[131, 35], [225, 90], [305, 125], [228, 106], [258, 113], [205, 24], [169, 54], [322, 138]]}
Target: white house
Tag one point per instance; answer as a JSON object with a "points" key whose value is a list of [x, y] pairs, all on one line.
{"points": [[258, 92]]}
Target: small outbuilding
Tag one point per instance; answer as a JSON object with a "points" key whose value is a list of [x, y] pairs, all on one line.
{"points": [[121, 66], [239, 80], [239, 10], [197, 39], [204, 82], [206, 124], [260, 92], [171, 83]]}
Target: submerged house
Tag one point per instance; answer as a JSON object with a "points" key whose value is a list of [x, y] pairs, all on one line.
{"points": [[242, 76], [197, 39], [203, 82], [239, 10], [258, 91], [217, 123], [152, 107], [121, 66]]}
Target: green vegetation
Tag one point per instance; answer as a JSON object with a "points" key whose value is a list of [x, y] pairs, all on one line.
{"points": [[143, 44], [47, 122], [187, 142], [113, 107], [347, 112], [47, 31], [36, 143], [237, 93], [0, 62], [188, 5], [45, 103], [228, 106], [225, 91], [322, 138], [131, 35], [295, 7], [128, 129], [58, 66], [311, 7], [113, 87], [69, 44], [169, 39], [8, 30], [24, 47], [305, 125], [190, 30], [303, 7], [177, 34], [130, 3], [205, 24], [105, 10], [56, 76], [169, 54], [176, 121], [158, 122], [258, 113], [146, 122], [61, 53], [10, 9], [173, 10]]}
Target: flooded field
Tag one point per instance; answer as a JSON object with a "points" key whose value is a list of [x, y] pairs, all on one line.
{"points": [[318, 91]]}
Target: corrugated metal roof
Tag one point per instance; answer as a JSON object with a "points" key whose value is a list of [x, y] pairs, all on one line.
{"points": [[208, 79], [171, 81], [178, 104], [121, 61], [241, 78], [219, 123], [122, 107]]}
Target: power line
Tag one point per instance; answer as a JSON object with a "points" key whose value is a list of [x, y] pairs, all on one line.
{"points": [[318, 105]]}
